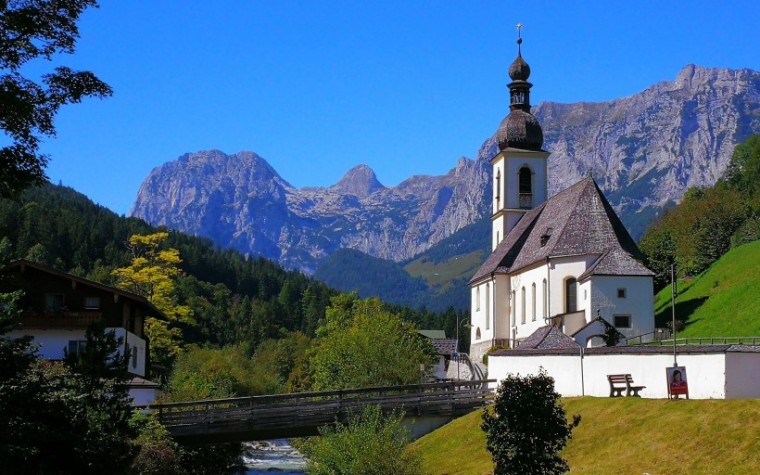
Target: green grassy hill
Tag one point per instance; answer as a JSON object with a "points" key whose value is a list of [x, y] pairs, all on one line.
{"points": [[724, 300], [623, 436]]}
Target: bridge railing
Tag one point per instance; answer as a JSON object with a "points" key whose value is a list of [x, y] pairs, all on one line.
{"points": [[315, 408]]}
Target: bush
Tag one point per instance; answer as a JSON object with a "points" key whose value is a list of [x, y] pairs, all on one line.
{"points": [[370, 444], [527, 427]]}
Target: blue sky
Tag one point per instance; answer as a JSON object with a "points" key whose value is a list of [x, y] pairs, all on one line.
{"points": [[316, 87]]}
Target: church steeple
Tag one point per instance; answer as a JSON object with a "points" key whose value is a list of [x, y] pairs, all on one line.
{"points": [[520, 130], [519, 72], [519, 169]]}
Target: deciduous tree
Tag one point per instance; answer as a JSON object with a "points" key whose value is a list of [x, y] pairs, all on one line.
{"points": [[36, 29], [152, 274], [363, 345]]}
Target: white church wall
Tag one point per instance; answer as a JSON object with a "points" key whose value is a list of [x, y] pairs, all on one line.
{"points": [[716, 375], [637, 302], [561, 269], [479, 331], [537, 164], [527, 279]]}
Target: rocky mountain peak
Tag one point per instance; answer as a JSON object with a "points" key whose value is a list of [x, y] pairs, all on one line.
{"points": [[644, 150], [359, 181]]}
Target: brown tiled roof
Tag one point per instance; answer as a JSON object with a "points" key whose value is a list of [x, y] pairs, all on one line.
{"points": [[576, 221]]}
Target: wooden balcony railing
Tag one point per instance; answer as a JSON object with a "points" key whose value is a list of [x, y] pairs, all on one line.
{"points": [[62, 319]]}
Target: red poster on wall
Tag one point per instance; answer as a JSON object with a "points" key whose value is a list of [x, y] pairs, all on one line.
{"points": [[677, 384]]}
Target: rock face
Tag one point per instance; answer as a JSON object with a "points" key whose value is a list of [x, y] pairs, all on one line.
{"points": [[644, 151], [648, 149], [239, 201]]}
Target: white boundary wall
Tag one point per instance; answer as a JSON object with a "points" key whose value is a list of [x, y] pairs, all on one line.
{"points": [[710, 374]]}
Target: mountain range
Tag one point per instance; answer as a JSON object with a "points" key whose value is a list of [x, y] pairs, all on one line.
{"points": [[644, 151]]}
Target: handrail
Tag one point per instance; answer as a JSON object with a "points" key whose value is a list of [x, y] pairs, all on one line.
{"points": [[709, 340], [301, 397]]}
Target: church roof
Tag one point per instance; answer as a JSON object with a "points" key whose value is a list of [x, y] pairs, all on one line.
{"points": [[576, 221], [615, 262], [548, 337]]}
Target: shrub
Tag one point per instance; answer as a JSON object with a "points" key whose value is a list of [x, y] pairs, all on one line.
{"points": [[527, 427]]}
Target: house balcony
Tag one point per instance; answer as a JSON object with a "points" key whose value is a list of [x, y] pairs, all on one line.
{"points": [[63, 319]]}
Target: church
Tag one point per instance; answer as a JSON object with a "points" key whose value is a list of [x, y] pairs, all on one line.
{"points": [[565, 262]]}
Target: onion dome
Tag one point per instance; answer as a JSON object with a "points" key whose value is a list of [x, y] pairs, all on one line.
{"points": [[519, 69], [520, 129]]}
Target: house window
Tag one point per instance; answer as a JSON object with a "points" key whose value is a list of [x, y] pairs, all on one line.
{"points": [[533, 301], [522, 312], [546, 299], [133, 356], [621, 293], [91, 303], [571, 289], [76, 347], [53, 302], [525, 187], [621, 321], [488, 306]]}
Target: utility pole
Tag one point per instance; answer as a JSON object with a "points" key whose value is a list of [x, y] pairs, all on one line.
{"points": [[673, 309]]}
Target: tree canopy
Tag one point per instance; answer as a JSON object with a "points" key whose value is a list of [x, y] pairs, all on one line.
{"points": [[36, 29], [709, 220], [364, 345], [527, 427]]}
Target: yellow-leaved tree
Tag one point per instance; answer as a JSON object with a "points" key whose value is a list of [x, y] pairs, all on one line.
{"points": [[153, 274]]}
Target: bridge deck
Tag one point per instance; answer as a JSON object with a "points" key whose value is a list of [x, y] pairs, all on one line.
{"points": [[301, 414]]}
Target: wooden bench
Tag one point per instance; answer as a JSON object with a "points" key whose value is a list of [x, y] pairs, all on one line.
{"points": [[620, 382]]}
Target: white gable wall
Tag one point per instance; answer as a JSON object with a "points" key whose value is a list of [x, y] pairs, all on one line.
{"points": [[525, 279], [489, 314], [638, 302]]}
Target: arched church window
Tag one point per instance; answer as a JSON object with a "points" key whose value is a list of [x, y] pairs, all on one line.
{"points": [[477, 334], [533, 301], [545, 299], [522, 309], [525, 187], [571, 299]]}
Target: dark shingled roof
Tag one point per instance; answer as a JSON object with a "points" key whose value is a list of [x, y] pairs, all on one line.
{"points": [[576, 221], [444, 346], [548, 337]]}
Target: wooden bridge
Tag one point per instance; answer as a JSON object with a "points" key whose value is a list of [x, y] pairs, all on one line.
{"points": [[301, 414]]}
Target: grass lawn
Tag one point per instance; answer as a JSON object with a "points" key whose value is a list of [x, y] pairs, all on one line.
{"points": [[623, 436], [722, 301]]}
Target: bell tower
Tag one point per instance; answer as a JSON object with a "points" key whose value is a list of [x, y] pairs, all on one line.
{"points": [[519, 169]]}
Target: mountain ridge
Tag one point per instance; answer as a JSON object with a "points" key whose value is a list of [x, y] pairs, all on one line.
{"points": [[644, 150]]}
